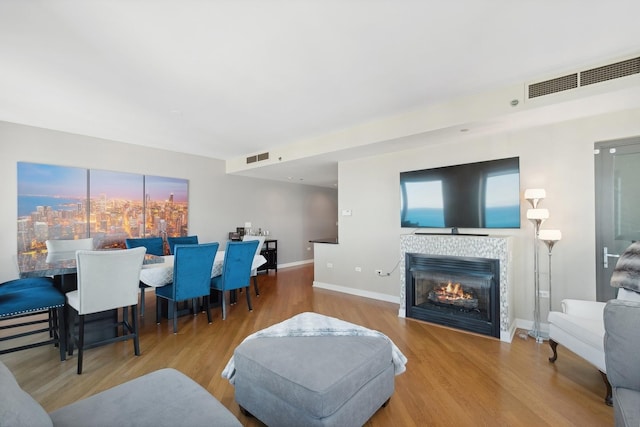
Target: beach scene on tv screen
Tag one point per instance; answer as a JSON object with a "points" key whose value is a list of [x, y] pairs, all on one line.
{"points": [[499, 205]]}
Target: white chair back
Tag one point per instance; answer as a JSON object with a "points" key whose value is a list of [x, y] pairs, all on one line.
{"points": [[260, 240], [108, 279], [69, 245]]}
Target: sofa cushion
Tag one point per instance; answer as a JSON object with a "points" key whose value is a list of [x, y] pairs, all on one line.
{"points": [[165, 397], [315, 374], [17, 407]]}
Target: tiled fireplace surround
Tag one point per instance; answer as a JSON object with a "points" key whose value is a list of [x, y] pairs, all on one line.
{"points": [[493, 247]]}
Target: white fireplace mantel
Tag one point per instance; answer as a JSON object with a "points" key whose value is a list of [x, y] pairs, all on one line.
{"points": [[492, 247]]}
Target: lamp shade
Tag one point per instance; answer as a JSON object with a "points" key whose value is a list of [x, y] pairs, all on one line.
{"points": [[550, 235], [537, 214], [535, 193]]}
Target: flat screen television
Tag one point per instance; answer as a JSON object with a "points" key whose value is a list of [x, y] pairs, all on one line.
{"points": [[473, 195]]}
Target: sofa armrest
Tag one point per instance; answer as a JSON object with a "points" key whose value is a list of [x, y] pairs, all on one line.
{"points": [[581, 308], [621, 344]]}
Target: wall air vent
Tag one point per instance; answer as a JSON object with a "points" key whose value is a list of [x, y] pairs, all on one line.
{"points": [[584, 78], [258, 158], [610, 72], [558, 84]]}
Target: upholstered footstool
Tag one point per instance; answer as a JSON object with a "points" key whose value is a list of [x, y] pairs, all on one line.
{"points": [[314, 370]]}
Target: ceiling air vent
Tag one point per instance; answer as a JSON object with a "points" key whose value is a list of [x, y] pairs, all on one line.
{"points": [[258, 158], [558, 84], [610, 72], [601, 74]]}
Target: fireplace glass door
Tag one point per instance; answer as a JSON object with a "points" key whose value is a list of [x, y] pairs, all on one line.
{"points": [[461, 293]]}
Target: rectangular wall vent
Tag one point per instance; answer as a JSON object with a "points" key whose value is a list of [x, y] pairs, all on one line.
{"points": [[258, 158], [610, 72], [584, 78], [556, 85]]}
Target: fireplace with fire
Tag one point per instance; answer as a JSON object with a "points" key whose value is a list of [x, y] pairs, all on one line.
{"points": [[459, 292]]}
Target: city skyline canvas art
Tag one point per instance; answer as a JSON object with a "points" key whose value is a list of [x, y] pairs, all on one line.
{"points": [[60, 202]]}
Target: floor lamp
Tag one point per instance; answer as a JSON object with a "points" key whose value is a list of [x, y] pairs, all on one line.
{"points": [[550, 238], [537, 217]]}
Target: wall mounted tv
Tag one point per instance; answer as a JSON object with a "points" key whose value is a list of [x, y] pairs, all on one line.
{"points": [[473, 195]]}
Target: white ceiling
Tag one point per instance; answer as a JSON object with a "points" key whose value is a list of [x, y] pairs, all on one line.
{"points": [[225, 79]]}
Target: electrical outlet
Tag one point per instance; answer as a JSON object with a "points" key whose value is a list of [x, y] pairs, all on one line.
{"points": [[329, 265], [543, 294], [358, 269]]}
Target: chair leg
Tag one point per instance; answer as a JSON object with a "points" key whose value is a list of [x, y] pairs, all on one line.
{"points": [[125, 320], [608, 399], [193, 306], [52, 313], [175, 316], [249, 300], [134, 321], [157, 310], [223, 301], [71, 326], [255, 285], [80, 342], [207, 303], [141, 301], [62, 333]]}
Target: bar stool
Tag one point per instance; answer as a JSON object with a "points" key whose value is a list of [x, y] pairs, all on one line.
{"points": [[28, 297]]}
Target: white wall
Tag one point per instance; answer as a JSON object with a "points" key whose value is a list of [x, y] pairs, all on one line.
{"points": [[218, 203], [556, 157]]}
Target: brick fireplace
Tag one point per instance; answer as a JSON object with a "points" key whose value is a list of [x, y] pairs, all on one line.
{"points": [[490, 263]]}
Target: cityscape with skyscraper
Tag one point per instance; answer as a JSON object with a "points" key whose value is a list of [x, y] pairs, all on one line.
{"points": [[117, 206]]}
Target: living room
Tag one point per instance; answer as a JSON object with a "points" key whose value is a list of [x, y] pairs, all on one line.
{"points": [[556, 152]]}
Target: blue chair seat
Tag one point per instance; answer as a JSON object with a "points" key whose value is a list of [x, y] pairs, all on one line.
{"points": [[27, 297], [17, 301]]}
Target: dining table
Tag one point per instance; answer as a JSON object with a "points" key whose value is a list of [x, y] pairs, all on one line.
{"points": [[156, 270], [61, 266], [160, 274]]}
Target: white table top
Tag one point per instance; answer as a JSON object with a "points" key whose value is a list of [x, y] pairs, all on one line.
{"points": [[161, 274]]}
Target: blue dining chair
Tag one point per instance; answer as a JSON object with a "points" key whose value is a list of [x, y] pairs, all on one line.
{"points": [[236, 271], [181, 240], [28, 297], [192, 265], [154, 246]]}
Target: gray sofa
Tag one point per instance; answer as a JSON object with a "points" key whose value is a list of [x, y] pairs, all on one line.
{"points": [[161, 398], [622, 354]]}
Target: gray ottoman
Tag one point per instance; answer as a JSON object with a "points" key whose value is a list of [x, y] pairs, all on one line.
{"points": [[314, 381]]}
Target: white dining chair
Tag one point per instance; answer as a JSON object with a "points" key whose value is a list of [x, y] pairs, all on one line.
{"points": [[254, 272], [107, 280], [69, 245]]}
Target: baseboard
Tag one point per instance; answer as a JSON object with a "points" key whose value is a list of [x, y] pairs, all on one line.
{"points": [[296, 263], [357, 292]]}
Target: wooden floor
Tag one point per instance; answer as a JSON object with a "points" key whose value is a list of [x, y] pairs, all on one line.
{"points": [[452, 379]]}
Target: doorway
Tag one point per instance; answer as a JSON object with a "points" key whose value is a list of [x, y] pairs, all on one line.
{"points": [[617, 185]]}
